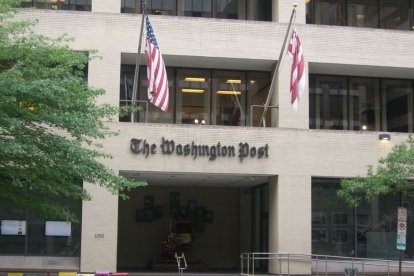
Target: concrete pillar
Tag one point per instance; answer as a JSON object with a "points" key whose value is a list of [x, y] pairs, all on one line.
{"points": [[99, 231], [111, 6], [289, 221]]}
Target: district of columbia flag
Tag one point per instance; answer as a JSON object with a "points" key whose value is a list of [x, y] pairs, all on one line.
{"points": [[297, 73], [157, 81]]}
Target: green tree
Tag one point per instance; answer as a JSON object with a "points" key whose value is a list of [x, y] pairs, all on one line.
{"points": [[50, 123], [393, 175]]}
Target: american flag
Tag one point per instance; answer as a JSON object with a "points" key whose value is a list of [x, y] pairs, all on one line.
{"points": [[158, 91], [297, 74]]}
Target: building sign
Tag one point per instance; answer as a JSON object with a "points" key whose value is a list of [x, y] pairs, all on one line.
{"points": [[242, 150], [402, 228]]}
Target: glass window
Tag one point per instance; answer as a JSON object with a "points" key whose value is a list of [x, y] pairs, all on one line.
{"points": [[368, 231], [412, 14], [220, 97], [163, 7], [147, 112], [364, 104], [397, 105], [332, 220], [310, 13], [363, 13], [193, 96], [34, 241], [328, 100], [78, 5], [232, 9], [258, 85], [11, 244], [394, 14], [125, 92], [155, 115], [130, 6], [226, 9], [196, 8], [330, 12], [229, 98]]}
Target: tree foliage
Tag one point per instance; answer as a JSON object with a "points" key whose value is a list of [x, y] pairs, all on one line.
{"points": [[50, 123], [393, 175]]}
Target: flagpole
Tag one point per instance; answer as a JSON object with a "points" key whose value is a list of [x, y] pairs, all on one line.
{"points": [[276, 71], [138, 60]]}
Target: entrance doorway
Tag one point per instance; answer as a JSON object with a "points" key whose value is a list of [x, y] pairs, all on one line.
{"points": [[211, 224]]}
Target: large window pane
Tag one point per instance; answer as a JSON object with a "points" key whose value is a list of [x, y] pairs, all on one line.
{"points": [[225, 9], [397, 105], [125, 92], [155, 115], [364, 104], [196, 8], [229, 98], [363, 13], [163, 7], [368, 231], [328, 101], [147, 112], [193, 96], [11, 244], [34, 240], [332, 220], [394, 14], [412, 14], [330, 12], [130, 6], [376, 228], [78, 5], [258, 85]]}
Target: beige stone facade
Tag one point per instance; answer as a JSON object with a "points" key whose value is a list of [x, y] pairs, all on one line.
{"points": [[295, 153]]}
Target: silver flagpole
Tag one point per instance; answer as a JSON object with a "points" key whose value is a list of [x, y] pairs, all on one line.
{"points": [[276, 72], [138, 60]]}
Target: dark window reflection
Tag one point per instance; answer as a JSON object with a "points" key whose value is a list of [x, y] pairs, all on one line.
{"points": [[363, 13], [76, 5], [368, 231], [330, 12], [398, 105], [356, 103], [328, 99], [34, 241], [394, 14], [384, 14], [200, 96], [260, 10]]}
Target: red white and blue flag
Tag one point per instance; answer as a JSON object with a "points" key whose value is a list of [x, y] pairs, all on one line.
{"points": [[297, 74], [158, 90]]}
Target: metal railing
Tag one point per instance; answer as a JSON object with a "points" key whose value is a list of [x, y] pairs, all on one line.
{"points": [[181, 263], [252, 107], [285, 264]]}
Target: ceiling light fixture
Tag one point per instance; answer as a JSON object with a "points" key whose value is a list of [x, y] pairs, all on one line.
{"points": [[192, 90], [228, 92], [384, 136], [233, 81], [194, 79]]}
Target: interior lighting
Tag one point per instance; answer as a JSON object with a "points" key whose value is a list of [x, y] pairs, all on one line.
{"points": [[384, 136], [233, 81], [364, 127], [228, 92], [194, 79], [192, 90]]}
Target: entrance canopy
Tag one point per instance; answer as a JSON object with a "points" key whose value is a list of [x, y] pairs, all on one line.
{"points": [[197, 179]]}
